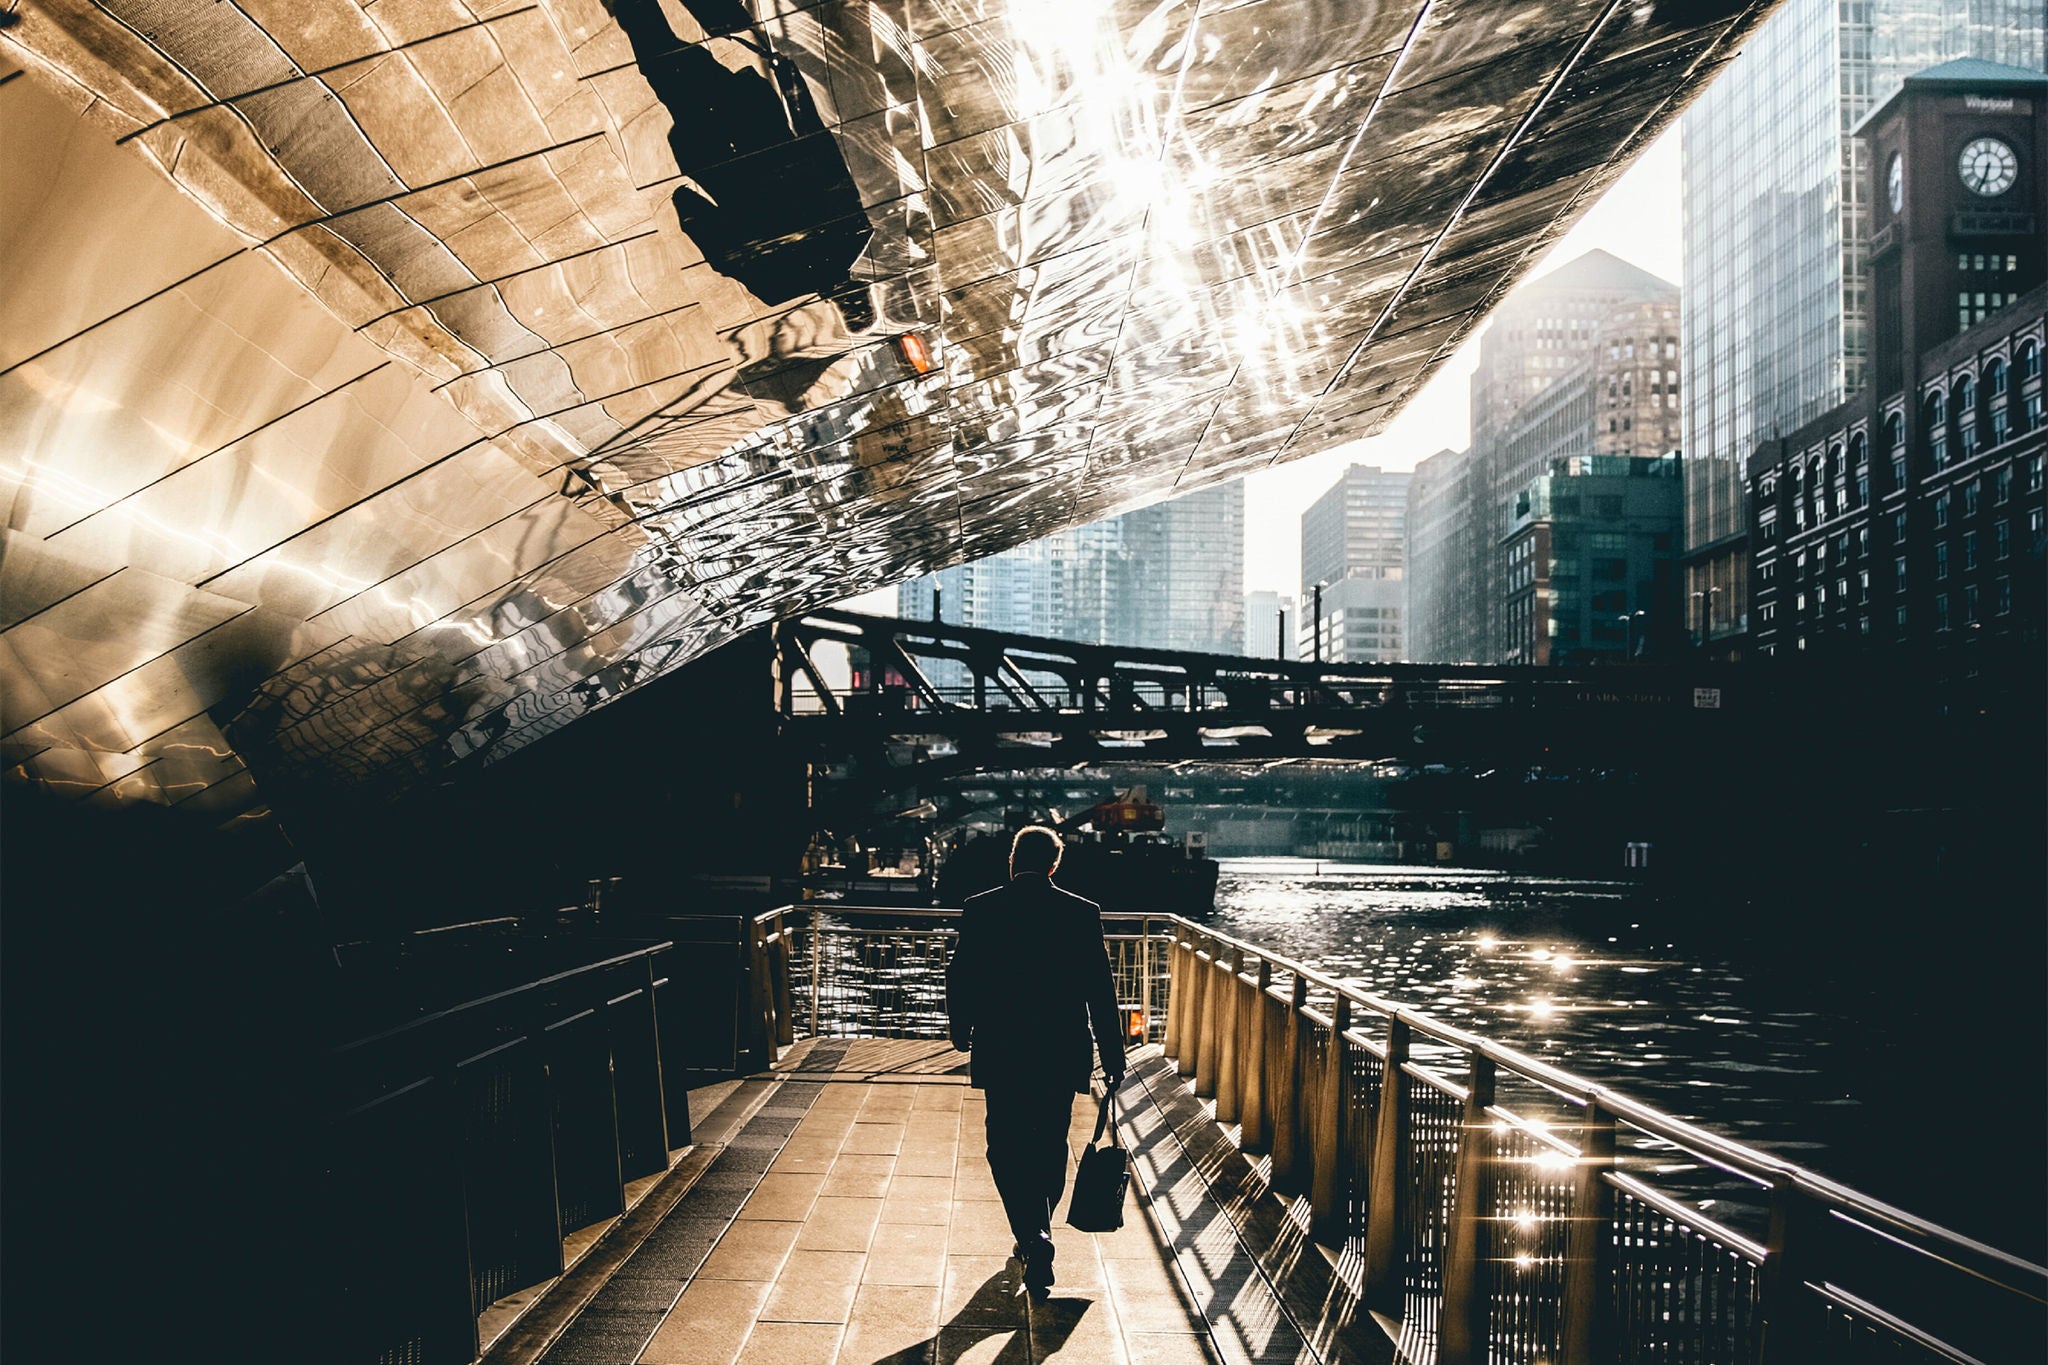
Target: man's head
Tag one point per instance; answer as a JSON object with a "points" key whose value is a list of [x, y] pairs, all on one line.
{"points": [[1035, 849]]}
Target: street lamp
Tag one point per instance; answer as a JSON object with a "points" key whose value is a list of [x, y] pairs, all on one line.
{"points": [[1629, 629], [1319, 619]]}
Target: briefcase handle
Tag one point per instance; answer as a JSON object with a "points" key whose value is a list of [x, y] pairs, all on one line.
{"points": [[1116, 1139]]}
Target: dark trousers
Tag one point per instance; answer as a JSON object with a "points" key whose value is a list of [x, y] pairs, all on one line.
{"points": [[1027, 1153]]}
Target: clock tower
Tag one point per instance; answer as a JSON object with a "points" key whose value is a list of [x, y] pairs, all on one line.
{"points": [[1958, 203]]}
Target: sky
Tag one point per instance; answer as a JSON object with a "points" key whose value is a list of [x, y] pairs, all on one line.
{"points": [[1638, 219]]}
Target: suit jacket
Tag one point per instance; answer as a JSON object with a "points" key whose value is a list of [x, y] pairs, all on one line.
{"points": [[1029, 980]]}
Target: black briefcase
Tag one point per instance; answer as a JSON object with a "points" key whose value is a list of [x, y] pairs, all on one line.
{"points": [[1097, 1204]]}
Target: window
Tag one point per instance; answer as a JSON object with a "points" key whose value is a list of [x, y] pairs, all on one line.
{"points": [[2032, 412], [1862, 489], [1940, 510], [1862, 541], [2033, 473], [1899, 619], [1859, 450], [1970, 492], [1899, 571], [2001, 541], [2030, 360], [1941, 611], [1898, 528], [1863, 585], [2001, 487], [1970, 604], [1898, 471], [1934, 418], [1969, 549], [1940, 560], [1994, 378], [2001, 596]]}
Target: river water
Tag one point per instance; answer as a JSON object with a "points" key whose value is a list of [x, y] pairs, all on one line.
{"points": [[1882, 1052]]}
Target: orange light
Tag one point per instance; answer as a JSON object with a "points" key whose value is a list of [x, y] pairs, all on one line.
{"points": [[915, 353], [1137, 1028]]}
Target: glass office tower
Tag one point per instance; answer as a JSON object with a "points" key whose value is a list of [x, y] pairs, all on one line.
{"points": [[1776, 314]]}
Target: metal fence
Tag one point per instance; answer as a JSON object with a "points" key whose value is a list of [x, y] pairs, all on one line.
{"points": [[1501, 1211]]}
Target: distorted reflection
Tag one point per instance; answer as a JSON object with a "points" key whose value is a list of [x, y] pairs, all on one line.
{"points": [[766, 194]]}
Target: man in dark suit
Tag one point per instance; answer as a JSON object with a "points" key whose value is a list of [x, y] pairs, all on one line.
{"points": [[1029, 980]]}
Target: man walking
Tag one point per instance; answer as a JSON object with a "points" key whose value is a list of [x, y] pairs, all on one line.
{"points": [[1029, 980]]}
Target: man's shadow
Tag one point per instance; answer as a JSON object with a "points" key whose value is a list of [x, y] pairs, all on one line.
{"points": [[998, 1308]]}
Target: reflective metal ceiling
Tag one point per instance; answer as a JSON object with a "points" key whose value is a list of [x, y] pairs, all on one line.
{"points": [[379, 393]]}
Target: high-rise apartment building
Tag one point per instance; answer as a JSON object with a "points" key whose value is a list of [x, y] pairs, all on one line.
{"points": [[1354, 543], [1777, 230]]}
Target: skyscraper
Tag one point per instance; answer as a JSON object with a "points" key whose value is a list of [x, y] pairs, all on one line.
{"points": [[1580, 362], [1168, 576], [1184, 573], [1354, 543], [1776, 233]]}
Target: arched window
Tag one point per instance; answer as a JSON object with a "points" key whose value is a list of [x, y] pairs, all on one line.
{"points": [[1994, 378], [1966, 399], [2030, 360], [1895, 448], [1859, 451], [1934, 419]]}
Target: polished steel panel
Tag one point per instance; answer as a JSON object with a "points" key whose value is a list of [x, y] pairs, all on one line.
{"points": [[385, 387]]}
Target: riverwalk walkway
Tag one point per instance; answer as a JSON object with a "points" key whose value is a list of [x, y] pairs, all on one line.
{"points": [[839, 1208]]}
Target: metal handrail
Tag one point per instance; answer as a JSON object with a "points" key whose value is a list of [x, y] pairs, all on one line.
{"points": [[1956, 1249]]}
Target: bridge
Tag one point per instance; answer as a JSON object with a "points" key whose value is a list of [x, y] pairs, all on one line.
{"points": [[881, 705]]}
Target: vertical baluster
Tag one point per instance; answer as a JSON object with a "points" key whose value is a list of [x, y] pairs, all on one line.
{"points": [[1288, 1155], [1788, 1313], [1589, 1322], [817, 960], [1386, 1235], [1198, 1001], [1230, 1023], [1212, 1023], [1327, 1223], [1468, 1255], [1256, 1134]]}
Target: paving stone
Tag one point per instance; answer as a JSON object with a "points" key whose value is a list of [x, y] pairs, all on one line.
{"points": [[897, 1323], [708, 1325], [816, 1286], [792, 1343], [783, 1196], [837, 1224], [750, 1251]]}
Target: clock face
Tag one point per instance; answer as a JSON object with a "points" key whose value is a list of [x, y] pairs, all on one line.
{"points": [[1895, 183], [1988, 166]]}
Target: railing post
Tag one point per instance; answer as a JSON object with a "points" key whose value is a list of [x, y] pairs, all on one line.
{"points": [[1287, 1138], [1327, 1223], [1256, 1131], [785, 1025], [1589, 1337], [1788, 1314], [1198, 1000], [1468, 1253], [760, 1027], [1175, 993], [1230, 1022], [1212, 1024], [1386, 1232]]}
